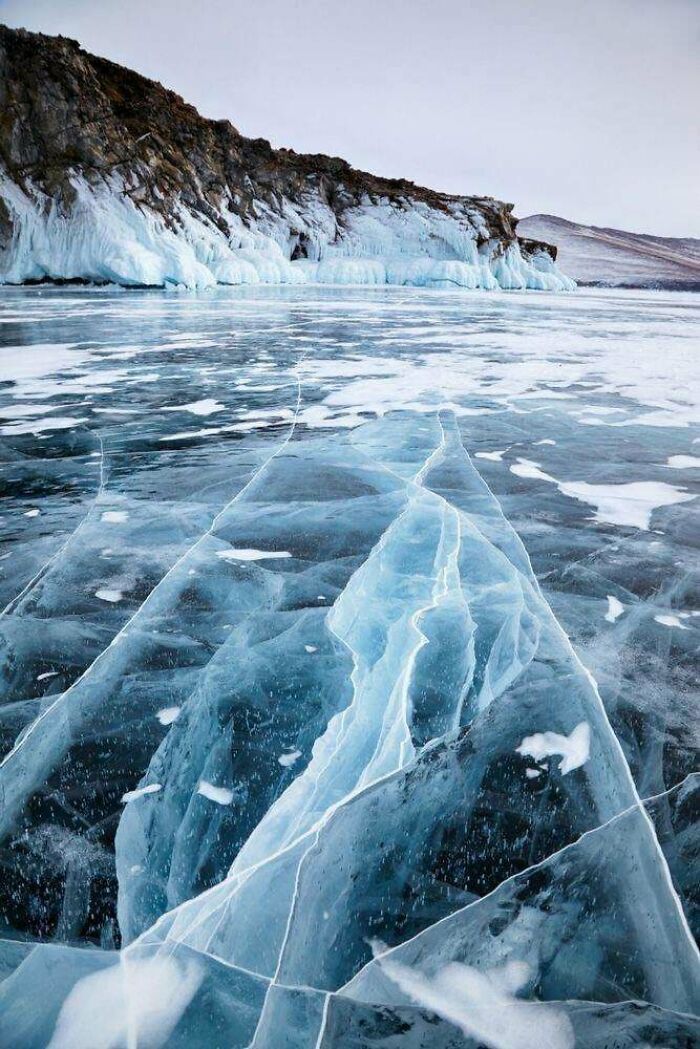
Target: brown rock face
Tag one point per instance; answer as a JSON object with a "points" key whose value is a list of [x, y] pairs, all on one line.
{"points": [[66, 113]]}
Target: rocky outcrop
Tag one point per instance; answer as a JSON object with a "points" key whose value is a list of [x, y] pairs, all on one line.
{"points": [[105, 175]]}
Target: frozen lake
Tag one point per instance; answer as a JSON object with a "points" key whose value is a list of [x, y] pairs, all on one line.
{"points": [[330, 618]]}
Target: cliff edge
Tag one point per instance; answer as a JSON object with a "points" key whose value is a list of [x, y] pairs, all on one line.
{"points": [[108, 176]]}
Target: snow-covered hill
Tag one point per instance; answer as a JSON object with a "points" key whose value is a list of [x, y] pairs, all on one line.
{"points": [[613, 257], [107, 176]]}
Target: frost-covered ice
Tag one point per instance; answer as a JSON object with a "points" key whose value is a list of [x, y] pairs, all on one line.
{"points": [[402, 653], [107, 237]]}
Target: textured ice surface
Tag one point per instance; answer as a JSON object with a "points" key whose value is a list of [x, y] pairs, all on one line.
{"points": [[106, 237], [388, 737]]}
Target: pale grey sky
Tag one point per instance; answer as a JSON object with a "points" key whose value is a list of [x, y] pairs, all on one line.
{"points": [[582, 108]]}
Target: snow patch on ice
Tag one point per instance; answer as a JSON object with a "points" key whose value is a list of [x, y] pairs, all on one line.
{"points": [[629, 504], [46, 424], [167, 715], [139, 792], [115, 516], [683, 462], [615, 609], [526, 468], [109, 595], [626, 504], [221, 795], [574, 749], [667, 619], [18, 410], [251, 554], [495, 457], [138, 1001], [207, 406], [287, 760], [482, 1004]]}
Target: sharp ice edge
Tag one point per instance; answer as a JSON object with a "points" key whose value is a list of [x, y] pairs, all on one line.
{"points": [[170, 943], [239, 872], [670, 790], [10, 808], [178, 933], [342, 992], [347, 988], [417, 481], [661, 859], [324, 1021], [281, 834], [107, 237], [12, 606], [393, 749], [279, 842]]}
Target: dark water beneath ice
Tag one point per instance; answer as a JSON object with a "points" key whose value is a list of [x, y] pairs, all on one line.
{"points": [[290, 581]]}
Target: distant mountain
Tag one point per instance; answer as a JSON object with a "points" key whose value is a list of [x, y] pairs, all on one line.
{"points": [[108, 176], [613, 257]]}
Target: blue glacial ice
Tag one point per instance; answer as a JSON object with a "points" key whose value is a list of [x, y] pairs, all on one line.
{"points": [[339, 707]]}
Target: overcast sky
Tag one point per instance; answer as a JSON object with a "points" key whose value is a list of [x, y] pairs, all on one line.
{"points": [[581, 108]]}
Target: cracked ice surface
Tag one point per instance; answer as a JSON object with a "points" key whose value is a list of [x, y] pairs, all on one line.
{"points": [[346, 717]]}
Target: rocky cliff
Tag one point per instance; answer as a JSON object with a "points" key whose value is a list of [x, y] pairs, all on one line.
{"points": [[107, 176]]}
